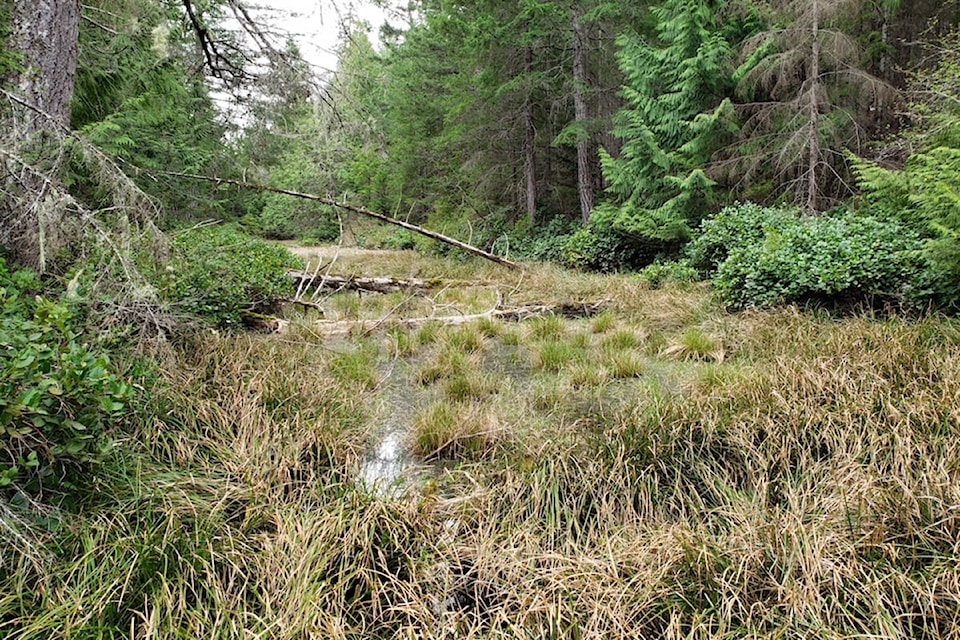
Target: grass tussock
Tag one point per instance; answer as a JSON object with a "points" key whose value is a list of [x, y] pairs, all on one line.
{"points": [[469, 386], [449, 362], [624, 364], [556, 355], [456, 431], [806, 486], [356, 365], [696, 344], [468, 338], [548, 327]]}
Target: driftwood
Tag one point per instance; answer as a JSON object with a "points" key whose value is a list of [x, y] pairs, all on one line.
{"points": [[515, 314], [309, 280], [355, 209]]}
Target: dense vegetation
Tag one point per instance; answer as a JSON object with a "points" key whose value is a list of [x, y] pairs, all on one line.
{"points": [[718, 398]]}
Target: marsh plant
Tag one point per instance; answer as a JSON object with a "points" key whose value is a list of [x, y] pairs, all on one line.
{"points": [[456, 431], [807, 486], [555, 355], [696, 344]]}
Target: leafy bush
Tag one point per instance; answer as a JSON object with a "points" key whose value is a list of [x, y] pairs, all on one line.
{"points": [[218, 273], [672, 271], [838, 258], [397, 240], [733, 226], [544, 242], [925, 195], [325, 229], [57, 396], [284, 217], [603, 246]]}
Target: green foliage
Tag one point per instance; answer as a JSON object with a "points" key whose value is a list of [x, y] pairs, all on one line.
{"points": [[604, 246], [670, 271], [544, 242], [140, 102], [218, 273], [734, 226], [925, 197], [804, 97], [284, 217], [58, 396], [324, 229], [835, 258], [925, 193], [397, 240], [9, 59], [674, 119]]}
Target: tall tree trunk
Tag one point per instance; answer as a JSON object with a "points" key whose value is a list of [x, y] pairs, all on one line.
{"points": [[529, 151], [585, 179], [44, 33], [813, 161]]}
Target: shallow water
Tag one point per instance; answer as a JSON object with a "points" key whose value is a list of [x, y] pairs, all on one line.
{"points": [[391, 468]]}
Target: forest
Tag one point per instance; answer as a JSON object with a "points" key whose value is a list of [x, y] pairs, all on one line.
{"points": [[536, 319]]}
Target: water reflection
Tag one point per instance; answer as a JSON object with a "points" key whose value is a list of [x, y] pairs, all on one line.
{"points": [[389, 469]]}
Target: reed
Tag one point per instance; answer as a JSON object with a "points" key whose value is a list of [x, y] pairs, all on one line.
{"points": [[807, 485]]}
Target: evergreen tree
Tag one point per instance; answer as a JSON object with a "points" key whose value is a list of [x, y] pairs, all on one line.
{"points": [[42, 36], [674, 92], [804, 99], [139, 100]]}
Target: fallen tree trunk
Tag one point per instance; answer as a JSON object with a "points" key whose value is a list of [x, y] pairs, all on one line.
{"points": [[355, 209], [568, 310], [376, 284]]}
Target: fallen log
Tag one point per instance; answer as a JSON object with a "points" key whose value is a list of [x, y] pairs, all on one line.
{"points": [[570, 310], [376, 284], [355, 209]]}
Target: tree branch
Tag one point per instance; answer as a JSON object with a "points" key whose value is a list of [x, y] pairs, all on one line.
{"points": [[433, 235]]}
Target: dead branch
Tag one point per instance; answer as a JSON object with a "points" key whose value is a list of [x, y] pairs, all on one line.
{"points": [[305, 303], [355, 209], [513, 314], [378, 284]]}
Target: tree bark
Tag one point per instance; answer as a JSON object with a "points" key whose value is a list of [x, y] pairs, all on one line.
{"points": [[571, 310], [374, 284], [813, 161], [529, 150], [585, 181], [45, 33]]}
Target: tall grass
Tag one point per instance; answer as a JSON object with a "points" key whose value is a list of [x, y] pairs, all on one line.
{"points": [[807, 486]]}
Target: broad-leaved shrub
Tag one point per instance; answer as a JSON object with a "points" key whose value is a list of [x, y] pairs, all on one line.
{"points": [[217, 273], [734, 226], [829, 258], [602, 245], [58, 396]]}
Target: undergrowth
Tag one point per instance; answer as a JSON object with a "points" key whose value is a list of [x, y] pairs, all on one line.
{"points": [[806, 483]]}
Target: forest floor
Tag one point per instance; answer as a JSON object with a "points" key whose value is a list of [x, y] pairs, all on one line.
{"points": [[657, 467]]}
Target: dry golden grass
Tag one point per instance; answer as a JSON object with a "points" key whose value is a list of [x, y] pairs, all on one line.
{"points": [[807, 486]]}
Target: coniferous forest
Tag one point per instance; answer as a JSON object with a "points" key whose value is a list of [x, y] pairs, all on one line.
{"points": [[535, 319]]}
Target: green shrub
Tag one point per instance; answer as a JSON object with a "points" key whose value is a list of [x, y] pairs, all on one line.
{"points": [[925, 196], [839, 258], [603, 246], [397, 240], [326, 228], [672, 271], [544, 242], [57, 395], [218, 273], [734, 226]]}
